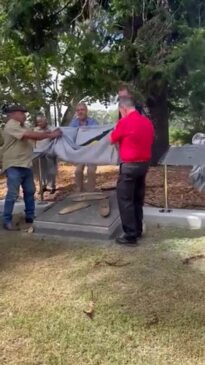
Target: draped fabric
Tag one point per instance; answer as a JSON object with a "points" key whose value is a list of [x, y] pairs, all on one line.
{"points": [[84, 145]]}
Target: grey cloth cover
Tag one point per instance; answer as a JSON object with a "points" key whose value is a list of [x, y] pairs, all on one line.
{"points": [[84, 145], [197, 175]]}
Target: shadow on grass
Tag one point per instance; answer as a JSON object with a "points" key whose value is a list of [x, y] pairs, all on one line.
{"points": [[15, 246], [150, 311], [19, 247]]}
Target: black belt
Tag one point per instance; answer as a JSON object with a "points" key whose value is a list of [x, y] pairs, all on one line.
{"points": [[135, 163]]}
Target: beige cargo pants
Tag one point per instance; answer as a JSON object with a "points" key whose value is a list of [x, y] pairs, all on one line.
{"points": [[91, 177]]}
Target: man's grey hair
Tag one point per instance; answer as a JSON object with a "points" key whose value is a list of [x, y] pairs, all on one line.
{"points": [[126, 103], [81, 103]]}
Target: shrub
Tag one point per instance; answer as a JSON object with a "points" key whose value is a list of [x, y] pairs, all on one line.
{"points": [[179, 136]]}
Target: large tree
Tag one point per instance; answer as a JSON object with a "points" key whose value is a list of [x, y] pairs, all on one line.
{"points": [[158, 44]]}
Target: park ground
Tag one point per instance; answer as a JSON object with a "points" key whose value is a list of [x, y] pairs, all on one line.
{"points": [[148, 302]]}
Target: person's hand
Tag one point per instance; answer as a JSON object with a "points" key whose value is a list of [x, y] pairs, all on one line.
{"points": [[56, 133]]}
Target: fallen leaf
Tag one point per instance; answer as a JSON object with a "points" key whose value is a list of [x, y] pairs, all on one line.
{"points": [[116, 263], [90, 310], [188, 260], [91, 307], [152, 320]]}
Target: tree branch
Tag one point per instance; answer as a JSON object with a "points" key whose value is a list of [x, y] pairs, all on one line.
{"points": [[81, 13], [63, 8]]}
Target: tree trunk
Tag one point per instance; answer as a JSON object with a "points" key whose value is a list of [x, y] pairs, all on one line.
{"points": [[59, 115], [70, 111], [68, 115], [159, 112], [48, 113]]}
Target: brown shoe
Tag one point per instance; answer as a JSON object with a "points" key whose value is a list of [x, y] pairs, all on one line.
{"points": [[9, 227]]}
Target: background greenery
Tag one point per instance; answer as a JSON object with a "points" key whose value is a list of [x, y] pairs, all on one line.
{"points": [[55, 52]]}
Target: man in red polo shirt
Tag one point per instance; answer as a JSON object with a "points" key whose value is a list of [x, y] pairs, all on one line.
{"points": [[134, 133]]}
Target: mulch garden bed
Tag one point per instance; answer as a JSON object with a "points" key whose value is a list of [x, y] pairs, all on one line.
{"points": [[181, 193]]}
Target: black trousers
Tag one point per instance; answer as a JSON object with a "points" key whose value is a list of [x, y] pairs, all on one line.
{"points": [[130, 195]]}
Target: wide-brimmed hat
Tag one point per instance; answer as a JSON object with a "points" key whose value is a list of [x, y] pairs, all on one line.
{"points": [[6, 109]]}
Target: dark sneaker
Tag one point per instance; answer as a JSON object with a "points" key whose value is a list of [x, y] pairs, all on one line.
{"points": [[29, 220]]}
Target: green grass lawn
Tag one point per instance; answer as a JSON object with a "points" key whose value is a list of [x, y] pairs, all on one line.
{"points": [[149, 307]]}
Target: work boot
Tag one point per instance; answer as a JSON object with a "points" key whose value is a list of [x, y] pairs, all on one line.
{"points": [[29, 220]]}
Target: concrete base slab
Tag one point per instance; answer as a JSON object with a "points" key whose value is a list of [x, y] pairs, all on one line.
{"points": [[83, 223], [19, 207]]}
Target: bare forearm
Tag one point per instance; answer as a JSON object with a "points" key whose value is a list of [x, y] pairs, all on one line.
{"points": [[37, 136]]}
